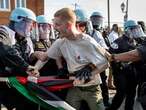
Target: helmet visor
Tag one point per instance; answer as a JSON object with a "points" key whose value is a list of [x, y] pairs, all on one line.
{"points": [[97, 20], [44, 31], [24, 27], [136, 32]]}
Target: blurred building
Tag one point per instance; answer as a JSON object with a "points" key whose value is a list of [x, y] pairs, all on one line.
{"points": [[6, 6]]}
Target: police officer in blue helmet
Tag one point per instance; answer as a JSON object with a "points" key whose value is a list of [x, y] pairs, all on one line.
{"points": [[21, 24], [81, 19], [133, 30], [138, 56], [83, 23], [43, 43], [97, 20], [21, 20], [124, 73], [44, 27]]}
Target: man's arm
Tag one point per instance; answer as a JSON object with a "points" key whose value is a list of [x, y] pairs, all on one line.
{"points": [[132, 55], [43, 58], [12, 58]]}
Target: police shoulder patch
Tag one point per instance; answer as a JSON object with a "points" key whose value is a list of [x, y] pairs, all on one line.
{"points": [[114, 45]]}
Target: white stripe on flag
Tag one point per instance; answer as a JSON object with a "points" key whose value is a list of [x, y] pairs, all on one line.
{"points": [[62, 104], [4, 79]]}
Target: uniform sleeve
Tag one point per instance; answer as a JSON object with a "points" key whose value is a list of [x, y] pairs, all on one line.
{"points": [[54, 51], [10, 57], [4, 36], [98, 56], [142, 51], [99, 38], [30, 44]]}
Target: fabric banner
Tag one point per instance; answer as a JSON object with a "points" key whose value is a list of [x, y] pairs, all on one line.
{"points": [[39, 94]]}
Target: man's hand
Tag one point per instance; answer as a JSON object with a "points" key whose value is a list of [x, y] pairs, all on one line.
{"points": [[108, 55], [32, 71], [84, 74], [38, 54], [78, 82]]}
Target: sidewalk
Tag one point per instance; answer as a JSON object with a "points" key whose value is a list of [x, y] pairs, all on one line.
{"points": [[137, 105]]}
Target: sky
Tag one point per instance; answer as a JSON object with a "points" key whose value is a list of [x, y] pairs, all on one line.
{"points": [[136, 8]]}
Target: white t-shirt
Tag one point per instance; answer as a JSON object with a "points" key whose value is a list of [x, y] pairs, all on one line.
{"points": [[113, 36], [99, 38], [79, 53]]}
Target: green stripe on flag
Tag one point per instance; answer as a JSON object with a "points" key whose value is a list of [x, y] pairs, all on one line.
{"points": [[30, 95]]}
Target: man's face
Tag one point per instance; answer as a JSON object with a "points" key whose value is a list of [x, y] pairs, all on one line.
{"points": [[44, 30], [24, 27], [60, 26], [81, 26], [97, 21]]}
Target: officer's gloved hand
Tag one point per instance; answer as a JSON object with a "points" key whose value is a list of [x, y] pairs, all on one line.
{"points": [[62, 73], [84, 73]]}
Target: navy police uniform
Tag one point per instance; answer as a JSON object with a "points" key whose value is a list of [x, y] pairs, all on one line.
{"points": [[141, 68], [124, 75], [50, 68], [10, 58]]}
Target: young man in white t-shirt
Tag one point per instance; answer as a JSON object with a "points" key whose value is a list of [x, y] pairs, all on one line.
{"points": [[80, 52]]}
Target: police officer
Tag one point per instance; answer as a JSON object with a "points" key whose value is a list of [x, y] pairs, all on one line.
{"points": [[124, 72], [21, 22], [137, 56], [43, 43], [97, 21], [44, 28]]}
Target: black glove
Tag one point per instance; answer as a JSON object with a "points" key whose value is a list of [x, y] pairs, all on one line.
{"points": [[62, 73], [84, 73]]}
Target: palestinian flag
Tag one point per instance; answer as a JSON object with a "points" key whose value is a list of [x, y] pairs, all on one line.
{"points": [[41, 92]]}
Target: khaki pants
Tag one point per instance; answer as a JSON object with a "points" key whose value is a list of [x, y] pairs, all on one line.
{"points": [[90, 94]]}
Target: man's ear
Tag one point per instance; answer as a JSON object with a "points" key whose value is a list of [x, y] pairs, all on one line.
{"points": [[69, 26]]}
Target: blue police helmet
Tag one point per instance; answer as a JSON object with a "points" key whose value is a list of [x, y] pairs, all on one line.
{"points": [[42, 19], [81, 15], [97, 13], [129, 24], [17, 13]]}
